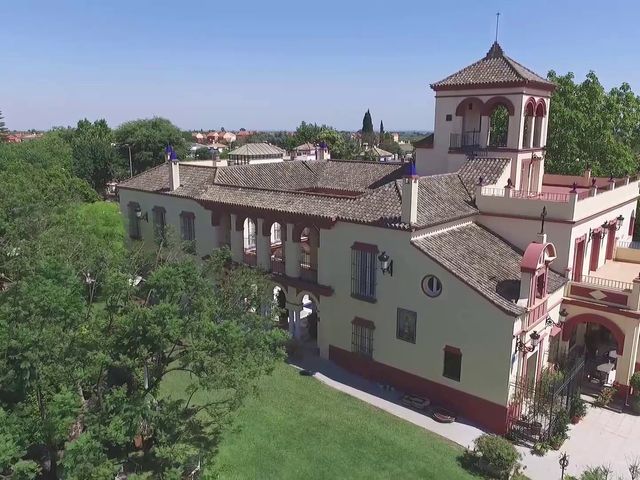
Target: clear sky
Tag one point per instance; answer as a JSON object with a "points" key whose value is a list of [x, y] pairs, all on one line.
{"points": [[270, 64]]}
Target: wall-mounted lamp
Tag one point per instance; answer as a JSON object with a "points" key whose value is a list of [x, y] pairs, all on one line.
{"points": [[562, 318], [386, 264], [140, 216], [619, 220], [522, 346]]}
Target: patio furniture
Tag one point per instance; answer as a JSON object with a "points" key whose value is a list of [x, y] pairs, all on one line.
{"points": [[614, 354], [443, 415], [609, 371]]}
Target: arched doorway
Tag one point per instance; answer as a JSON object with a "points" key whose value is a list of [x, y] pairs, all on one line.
{"points": [[600, 342], [309, 319]]}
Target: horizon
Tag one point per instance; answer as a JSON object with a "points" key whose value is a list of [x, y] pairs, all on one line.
{"points": [[122, 62]]}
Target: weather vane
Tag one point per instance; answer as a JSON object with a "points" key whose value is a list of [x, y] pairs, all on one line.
{"points": [[497, 24]]}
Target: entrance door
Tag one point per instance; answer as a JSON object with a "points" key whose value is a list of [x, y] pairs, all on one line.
{"points": [[532, 368], [578, 261], [611, 241]]}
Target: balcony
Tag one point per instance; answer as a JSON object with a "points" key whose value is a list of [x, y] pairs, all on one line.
{"points": [[464, 140], [249, 258], [612, 284], [277, 265], [563, 202], [308, 274], [534, 314]]}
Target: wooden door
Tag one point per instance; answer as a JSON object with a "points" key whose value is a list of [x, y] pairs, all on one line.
{"points": [[578, 261]]}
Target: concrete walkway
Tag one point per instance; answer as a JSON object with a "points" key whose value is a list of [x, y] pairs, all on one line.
{"points": [[603, 437]]}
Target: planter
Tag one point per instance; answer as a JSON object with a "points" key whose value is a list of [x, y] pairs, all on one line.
{"points": [[443, 415], [575, 420]]}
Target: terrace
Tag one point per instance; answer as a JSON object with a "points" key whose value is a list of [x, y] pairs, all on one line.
{"points": [[565, 197]]}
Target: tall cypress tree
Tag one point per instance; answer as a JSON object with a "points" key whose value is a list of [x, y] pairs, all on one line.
{"points": [[368, 135], [381, 132], [3, 129]]}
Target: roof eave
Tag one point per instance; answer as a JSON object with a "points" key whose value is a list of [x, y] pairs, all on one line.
{"points": [[546, 86]]}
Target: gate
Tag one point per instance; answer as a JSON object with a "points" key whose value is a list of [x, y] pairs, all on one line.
{"points": [[534, 408]]}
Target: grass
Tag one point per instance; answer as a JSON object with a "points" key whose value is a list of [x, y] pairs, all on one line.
{"points": [[296, 427]]}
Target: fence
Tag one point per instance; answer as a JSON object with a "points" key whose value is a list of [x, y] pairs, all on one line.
{"points": [[632, 245], [536, 408]]}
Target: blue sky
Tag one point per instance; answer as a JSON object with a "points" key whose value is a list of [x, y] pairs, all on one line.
{"points": [[270, 65]]}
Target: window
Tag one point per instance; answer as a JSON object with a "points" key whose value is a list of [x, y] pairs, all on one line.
{"points": [[431, 286], [362, 336], [134, 221], [159, 223], [406, 325], [449, 117], [363, 271], [541, 286], [188, 231], [452, 363], [276, 233]]}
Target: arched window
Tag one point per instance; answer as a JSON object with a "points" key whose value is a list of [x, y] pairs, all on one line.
{"points": [[529, 111], [537, 131], [498, 126], [249, 234]]}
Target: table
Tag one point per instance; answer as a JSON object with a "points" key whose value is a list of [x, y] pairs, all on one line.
{"points": [[610, 370]]}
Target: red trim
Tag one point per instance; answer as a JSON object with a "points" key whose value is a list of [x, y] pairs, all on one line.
{"points": [[611, 240], [473, 86], [530, 107], [578, 257], [584, 291], [365, 247], [450, 349], [363, 322], [602, 308], [572, 322], [491, 104], [555, 331], [489, 415], [541, 108]]}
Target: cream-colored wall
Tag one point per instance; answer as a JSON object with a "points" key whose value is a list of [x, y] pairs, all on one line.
{"points": [[459, 317], [205, 232]]}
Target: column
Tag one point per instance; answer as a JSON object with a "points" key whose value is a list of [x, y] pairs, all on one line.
{"points": [[216, 229], [531, 131], [292, 253], [626, 365], [314, 243], [237, 240], [263, 247], [484, 131], [294, 319]]}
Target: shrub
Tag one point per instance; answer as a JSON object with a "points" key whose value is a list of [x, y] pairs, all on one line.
{"points": [[596, 473], [634, 382], [605, 396], [578, 407], [560, 425], [499, 456]]}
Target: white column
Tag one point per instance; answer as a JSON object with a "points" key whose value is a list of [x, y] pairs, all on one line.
{"points": [[263, 247], [484, 131], [294, 318], [237, 241], [291, 254]]}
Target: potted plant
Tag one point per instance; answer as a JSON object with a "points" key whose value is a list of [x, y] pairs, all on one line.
{"points": [[634, 383], [577, 409]]}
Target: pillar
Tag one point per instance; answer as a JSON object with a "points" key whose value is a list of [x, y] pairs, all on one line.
{"points": [[484, 131], [294, 318], [627, 363], [532, 131], [263, 247], [291, 254], [237, 240], [314, 243]]}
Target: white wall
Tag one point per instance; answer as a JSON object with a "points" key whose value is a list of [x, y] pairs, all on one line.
{"points": [[459, 317], [205, 234]]}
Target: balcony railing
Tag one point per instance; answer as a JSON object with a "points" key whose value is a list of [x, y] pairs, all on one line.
{"points": [[465, 139], [534, 314], [277, 265], [523, 194], [606, 283], [249, 258], [632, 245]]}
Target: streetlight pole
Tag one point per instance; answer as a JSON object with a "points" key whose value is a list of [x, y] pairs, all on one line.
{"points": [[564, 463]]}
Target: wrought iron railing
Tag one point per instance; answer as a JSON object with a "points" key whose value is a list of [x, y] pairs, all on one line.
{"points": [[277, 265], [309, 274], [633, 245], [464, 139], [606, 283]]}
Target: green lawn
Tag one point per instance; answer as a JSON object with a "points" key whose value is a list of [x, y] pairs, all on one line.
{"points": [[298, 428]]}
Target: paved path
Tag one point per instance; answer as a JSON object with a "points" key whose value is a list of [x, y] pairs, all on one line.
{"points": [[603, 437]]}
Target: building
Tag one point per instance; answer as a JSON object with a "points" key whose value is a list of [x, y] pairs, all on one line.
{"points": [[251, 153], [459, 278], [310, 151], [377, 153]]}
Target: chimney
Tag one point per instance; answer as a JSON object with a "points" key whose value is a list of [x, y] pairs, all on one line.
{"points": [[410, 195], [174, 168]]}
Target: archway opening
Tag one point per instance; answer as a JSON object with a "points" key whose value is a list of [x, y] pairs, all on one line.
{"points": [[249, 240], [309, 320], [498, 126], [277, 234]]}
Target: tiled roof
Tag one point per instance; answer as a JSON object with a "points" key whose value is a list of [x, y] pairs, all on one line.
{"points": [[249, 149], [306, 146], [494, 68], [484, 261], [426, 142], [364, 192], [490, 169], [376, 152]]}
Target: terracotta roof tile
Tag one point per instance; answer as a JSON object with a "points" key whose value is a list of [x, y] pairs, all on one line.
{"points": [[484, 261], [494, 68]]}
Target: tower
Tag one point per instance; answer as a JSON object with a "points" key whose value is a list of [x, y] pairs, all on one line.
{"points": [[493, 108]]}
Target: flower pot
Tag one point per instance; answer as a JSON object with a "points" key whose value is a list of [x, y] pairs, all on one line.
{"points": [[575, 419]]}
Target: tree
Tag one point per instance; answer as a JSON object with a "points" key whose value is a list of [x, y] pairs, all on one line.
{"points": [[3, 129], [148, 139], [368, 136], [382, 137], [592, 128], [94, 157]]}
